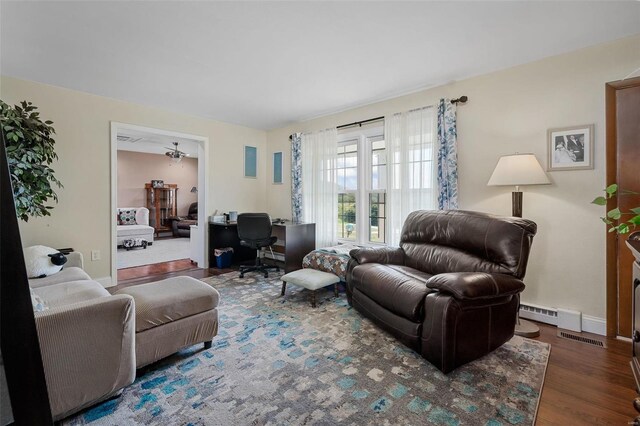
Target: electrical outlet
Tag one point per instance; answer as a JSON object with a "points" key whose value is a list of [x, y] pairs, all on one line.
{"points": [[95, 254]]}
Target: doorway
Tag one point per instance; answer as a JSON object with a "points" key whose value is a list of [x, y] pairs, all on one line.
{"points": [[163, 175], [622, 160]]}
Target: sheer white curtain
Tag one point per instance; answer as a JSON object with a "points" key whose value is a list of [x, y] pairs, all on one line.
{"points": [[412, 171], [319, 184]]}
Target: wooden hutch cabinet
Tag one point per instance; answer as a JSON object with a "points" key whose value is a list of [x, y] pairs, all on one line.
{"points": [[162, 204]]}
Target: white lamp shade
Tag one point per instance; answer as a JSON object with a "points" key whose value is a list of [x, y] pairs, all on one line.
{"points": [[518, 169]]}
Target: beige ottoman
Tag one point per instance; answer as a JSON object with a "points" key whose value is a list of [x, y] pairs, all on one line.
{"points": [[172, 314], [311, 279]]}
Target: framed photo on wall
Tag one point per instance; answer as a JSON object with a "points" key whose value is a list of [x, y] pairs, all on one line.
{"points": [[157, 183], [570, 148], [278, 161], [250, 161]]}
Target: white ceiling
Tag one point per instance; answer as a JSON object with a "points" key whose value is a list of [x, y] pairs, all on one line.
{"points": [[154, 143], [266, 64]]}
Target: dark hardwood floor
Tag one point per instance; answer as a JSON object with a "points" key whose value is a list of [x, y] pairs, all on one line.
{"points": [[160, 271], [150, 272], [584, 385]]}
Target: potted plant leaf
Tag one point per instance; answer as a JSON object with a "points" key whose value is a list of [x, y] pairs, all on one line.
{"points": [[621, 222], [30, 151]]}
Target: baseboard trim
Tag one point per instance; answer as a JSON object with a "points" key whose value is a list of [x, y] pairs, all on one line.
{"points": [[106, 282], [594, 325], [589, 324]]}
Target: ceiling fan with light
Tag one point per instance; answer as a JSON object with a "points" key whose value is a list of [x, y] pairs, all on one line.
{"points": [[175, 154]]}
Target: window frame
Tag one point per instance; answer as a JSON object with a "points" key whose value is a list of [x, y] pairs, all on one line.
{"points": [[364, 137]]}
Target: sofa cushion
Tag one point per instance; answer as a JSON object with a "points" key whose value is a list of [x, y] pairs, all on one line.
{"points": [[72, 273], [170, 300], [133, 230], [71, 292], [400, 289]]}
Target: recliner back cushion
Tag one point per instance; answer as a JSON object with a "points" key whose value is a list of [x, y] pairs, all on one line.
{"points": [[463, 241]]}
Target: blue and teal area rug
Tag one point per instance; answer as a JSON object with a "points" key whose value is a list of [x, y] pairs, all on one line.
{"points": [[277, 361]]}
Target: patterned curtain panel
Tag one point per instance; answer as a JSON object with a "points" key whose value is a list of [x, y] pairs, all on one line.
{"points": [[319, 177], [447, 156], [296, 177], [411, 171]]}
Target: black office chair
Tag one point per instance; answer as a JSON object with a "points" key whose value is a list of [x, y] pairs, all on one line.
{"points": [[254, 231]]}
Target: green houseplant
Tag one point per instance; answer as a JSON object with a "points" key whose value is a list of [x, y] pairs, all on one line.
{"points": [[626, 220], [30, 151]]}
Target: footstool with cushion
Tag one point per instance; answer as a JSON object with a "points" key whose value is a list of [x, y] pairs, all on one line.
{"points": [[172, 314], [310, 279]]}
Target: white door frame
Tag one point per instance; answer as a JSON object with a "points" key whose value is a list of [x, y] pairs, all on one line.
{"points": [[203, 179]]}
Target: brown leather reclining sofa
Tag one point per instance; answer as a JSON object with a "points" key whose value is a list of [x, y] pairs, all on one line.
{"points": [[451, 290]]}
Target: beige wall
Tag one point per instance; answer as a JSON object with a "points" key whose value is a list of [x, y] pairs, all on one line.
{"points": [[510, 111], [137, 168], [81, 219]]}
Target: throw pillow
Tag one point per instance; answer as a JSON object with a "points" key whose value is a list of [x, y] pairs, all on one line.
{"points": [[37, 302], [39, 263], [127, 217]]}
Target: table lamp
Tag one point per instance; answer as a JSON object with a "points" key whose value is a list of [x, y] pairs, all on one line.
{"points": [[519, 170]]}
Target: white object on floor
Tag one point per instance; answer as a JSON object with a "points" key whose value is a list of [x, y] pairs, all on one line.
{"points": [[160, 251], [134, 243]]}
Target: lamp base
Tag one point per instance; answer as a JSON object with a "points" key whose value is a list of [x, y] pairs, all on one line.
{"points": [[516, 203], [526, 328]]}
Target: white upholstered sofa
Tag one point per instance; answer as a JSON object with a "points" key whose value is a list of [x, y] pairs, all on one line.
{"points": [[140, 230]]}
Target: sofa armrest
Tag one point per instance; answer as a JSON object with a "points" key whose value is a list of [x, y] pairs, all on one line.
{"points": [[476, 285], [142, 216], [74, 259], [88, 351], [384, 255]]}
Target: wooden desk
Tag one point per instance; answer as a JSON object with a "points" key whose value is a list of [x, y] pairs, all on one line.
{"points": [[295, 240]]}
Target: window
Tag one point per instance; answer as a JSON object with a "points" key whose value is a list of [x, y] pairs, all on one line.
{"points": [[347, 175], [362, 182], [376, 192]]}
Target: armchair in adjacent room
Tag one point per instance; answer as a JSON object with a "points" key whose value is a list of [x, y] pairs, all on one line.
{"points": [[181, 225], [451, 290]]}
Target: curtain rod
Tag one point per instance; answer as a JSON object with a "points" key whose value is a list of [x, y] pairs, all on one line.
{"points": [[461, 100], [360, 123]]}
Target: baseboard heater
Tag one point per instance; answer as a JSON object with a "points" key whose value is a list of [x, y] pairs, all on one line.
{"points": [[539, 313], [565, 319]]}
